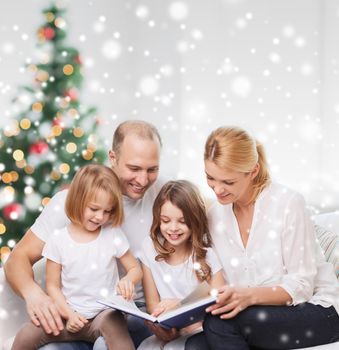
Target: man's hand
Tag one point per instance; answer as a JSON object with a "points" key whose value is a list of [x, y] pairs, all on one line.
{"points": [[162, 333], [43, 312], [75, 322]]}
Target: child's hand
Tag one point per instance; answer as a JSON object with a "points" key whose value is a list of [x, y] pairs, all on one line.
{"points": [[163, 333], [125, 288], [165, 305], [75, 322]]}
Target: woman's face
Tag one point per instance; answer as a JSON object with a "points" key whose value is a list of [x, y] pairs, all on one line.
{"points": [[229, 186]]}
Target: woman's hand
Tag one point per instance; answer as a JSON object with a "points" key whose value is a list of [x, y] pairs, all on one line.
{"points": [[231, 301], [163, 333], [164, 306], [75, 322], [126, 288]]}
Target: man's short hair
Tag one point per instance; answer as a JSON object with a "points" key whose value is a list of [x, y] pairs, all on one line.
{"points": [[139, 128]]}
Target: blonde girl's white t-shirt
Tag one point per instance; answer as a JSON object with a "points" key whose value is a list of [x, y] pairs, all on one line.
{"points": [[89, 270], [174, 281], [281, 248]]}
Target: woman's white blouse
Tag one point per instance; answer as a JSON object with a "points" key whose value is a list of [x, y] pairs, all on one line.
{"points": [[281, 248]]}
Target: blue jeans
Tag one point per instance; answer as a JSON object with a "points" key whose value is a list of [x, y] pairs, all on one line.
{"points": [[274, 327], [77, 345]]}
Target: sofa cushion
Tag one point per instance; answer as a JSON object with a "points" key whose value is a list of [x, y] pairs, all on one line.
{"points": [[329, 243]]}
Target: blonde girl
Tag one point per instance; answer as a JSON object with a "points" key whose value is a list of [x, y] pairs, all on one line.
{"points": [[81, 265]]}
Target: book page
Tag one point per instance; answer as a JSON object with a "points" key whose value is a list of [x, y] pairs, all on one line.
{"points": [[128, 306], [202, 291]]}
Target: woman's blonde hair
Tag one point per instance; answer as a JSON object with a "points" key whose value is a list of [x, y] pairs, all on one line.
{"points": [[185, 196], [232, 148], [84, 187]]}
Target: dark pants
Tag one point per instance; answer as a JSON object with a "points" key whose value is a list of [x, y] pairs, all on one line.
{"points": [[274, 327], [137, 330]]}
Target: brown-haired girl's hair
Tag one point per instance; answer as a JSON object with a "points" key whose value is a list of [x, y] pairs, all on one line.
{"points": [[232, 148], [184, 195], [84, 187]]}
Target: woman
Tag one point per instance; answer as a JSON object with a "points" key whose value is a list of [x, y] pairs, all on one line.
{"points": [[280, 292]]}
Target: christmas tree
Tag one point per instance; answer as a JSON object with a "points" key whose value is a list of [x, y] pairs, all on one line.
{"points": [[50, 138]]}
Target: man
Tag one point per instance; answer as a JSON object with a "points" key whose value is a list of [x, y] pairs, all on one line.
{"points": [[135, 158]]}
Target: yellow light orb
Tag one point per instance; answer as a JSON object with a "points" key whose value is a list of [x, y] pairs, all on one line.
{"points": [[68, 69], [56, 130], [45, 201], [55, 175], [25, 124], [20, 164], [18, 155], [71, 147], [9, 191], [12, 129], [42, 75], [41, 35], [50, 17], [29, 169], [6, 178], [73, 113], [37, 107], [91, 147], [15, 176], [64, 168], [2, 229], [33, 68], [78, 132], [87, 155], [4, 251]]}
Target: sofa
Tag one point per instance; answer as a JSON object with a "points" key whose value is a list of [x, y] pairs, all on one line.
{"points": [[13, 312]]}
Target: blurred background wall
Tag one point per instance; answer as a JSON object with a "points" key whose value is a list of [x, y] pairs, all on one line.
{"points": [[190, 66]]}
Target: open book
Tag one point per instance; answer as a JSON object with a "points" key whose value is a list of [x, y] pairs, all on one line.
{"points": [[190, 310]]}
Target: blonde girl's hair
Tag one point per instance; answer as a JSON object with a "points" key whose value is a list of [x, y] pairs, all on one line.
{"points": [[232, 148], [185, 196], [84, 187]]}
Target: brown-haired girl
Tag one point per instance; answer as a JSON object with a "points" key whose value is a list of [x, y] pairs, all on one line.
{"points": [[177, 256], [81, 265]]}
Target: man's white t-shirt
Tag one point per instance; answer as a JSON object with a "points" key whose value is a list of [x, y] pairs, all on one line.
{"points": [[175, 281], [280, 251], [89, 270]]}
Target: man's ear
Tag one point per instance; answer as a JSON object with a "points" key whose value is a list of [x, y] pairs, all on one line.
{"points": [[255, 171], [112, 158]]}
